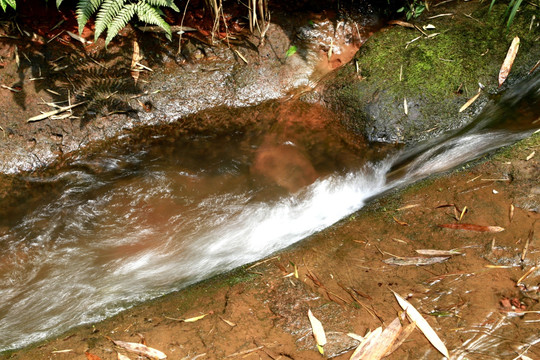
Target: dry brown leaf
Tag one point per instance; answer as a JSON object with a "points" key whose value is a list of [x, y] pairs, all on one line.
{"points": [[402, 223], [230, 323], [415, 317], [91, 356], [435, 252], [140, 349], [122, 357], [509, 60], [401, 23], [473, 227], [318, 330], [417, 261]]}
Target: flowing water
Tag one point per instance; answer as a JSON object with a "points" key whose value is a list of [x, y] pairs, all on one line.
{"points": [[138, 221]]}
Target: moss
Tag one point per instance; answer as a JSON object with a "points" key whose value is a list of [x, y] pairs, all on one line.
{"points": [[467, 50]]}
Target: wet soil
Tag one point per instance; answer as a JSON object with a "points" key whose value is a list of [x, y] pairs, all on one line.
{"points": [[260, 310]]}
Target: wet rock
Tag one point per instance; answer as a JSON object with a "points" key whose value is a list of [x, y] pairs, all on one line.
{"points": [[434, 75]]}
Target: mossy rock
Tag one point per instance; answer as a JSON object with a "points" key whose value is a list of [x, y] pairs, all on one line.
{"points": [[435, 75]]}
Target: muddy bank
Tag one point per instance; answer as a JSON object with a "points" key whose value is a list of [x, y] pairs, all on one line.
{"points": [[260, 311]]}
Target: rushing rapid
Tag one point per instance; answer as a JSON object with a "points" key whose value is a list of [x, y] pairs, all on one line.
{"points": [[127, 226]]}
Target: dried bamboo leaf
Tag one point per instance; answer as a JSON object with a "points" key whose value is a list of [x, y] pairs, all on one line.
{"points": [[318, 330], [122, 357], [371, 337], [470, 101], [377, 349], [140, 349], [473, 227], [403, 335], [136, 57], [195, 318], [54, 112], [415, 317], [417, 261], [509, 60], [435, 252]]}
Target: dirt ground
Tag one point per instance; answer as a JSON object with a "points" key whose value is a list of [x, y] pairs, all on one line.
{"points": [[260, 311]]}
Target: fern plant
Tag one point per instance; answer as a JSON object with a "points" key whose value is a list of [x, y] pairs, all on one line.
{"points": [[5, 3], [113, 15]]}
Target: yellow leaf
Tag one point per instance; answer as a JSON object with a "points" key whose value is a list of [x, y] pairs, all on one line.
{"points": [[422, 324], [318, 330], [509, 60], [196, 318]]}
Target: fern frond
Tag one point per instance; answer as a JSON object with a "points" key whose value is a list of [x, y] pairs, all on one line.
{"points": [[108, 11], [85, 9], [161, 3], [120, 21], [5, 3], [148, 14]]}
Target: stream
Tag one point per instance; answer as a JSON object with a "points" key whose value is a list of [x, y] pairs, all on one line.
{"points": [[138, 221]]}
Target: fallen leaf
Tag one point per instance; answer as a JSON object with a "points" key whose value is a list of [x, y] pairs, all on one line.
{"points": [[511, 213], [402, 223], [531, 155], [370, 338], [428, 27], [230, 323], [54, 112], [122, 357], [62, 351], [470, 101], [91, 356], [135, 58], [405, 107], [195, 318], [379, 346], [318, 331], [417, 261], [473, 227], [509, 60], [403, 335], [421, 323], [462, 213], [407, 207], [434, 252], [140, 349], [290, 51], [401, 23], [355, 336]]}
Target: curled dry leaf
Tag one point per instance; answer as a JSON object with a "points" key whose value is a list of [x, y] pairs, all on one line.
{"points": [[318, 330], [415, 317], [509, 60], [473, 227], [417, 261], [140, 349]]}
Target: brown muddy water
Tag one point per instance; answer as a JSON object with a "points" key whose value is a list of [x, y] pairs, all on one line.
{"points": [[147, 217]]}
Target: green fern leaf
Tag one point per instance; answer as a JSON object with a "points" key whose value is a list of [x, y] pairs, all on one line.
{"points": [[5, 3], [148, 14], [120, 21], [85, 9], [108, 11], [161, 3]]}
